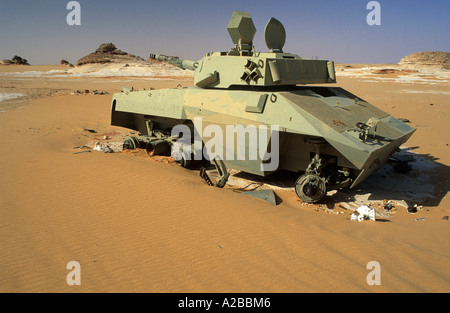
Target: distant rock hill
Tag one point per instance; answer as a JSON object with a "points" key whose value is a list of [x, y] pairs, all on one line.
{"points": [[16, 60], [108, 53], [431, 59]]}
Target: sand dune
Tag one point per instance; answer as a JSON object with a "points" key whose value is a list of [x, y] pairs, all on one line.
{"points": [[137, 224]]}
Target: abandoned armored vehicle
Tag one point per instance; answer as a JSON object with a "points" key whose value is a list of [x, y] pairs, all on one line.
{"points": [[263, 112]]}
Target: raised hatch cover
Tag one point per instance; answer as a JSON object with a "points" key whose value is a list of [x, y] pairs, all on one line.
{"points": [[275, 35]]}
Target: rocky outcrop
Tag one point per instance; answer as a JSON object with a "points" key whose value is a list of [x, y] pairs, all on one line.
{"points": [[66, 63], [16, 60], [6, 62], [108, 53], [19, 61], [431, 59]]}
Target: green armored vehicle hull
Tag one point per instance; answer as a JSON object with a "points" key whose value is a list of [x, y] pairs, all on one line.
{"points": [[254, 112]]}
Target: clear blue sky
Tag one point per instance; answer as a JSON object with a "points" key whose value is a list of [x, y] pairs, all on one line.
{"points": [[328, 29]]}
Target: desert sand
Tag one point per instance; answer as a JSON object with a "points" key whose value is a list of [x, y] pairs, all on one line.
{"points": [[141, 224]]}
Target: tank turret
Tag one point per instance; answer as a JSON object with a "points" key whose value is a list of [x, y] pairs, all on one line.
{"points": [[243, 66]]}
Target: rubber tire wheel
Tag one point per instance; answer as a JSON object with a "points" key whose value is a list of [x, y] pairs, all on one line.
{"points": [[310, 188], [131, 143]]}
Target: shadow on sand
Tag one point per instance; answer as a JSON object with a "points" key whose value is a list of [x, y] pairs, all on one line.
{"points": [[425, 184]]}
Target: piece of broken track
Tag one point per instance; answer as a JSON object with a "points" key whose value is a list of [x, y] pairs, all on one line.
{"points": [[221, 169]]}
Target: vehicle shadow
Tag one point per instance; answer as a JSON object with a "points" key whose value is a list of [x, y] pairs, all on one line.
{"points": [[425, 183]]}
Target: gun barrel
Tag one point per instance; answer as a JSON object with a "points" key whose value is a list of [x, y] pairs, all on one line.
{"points": [[184, 64]]}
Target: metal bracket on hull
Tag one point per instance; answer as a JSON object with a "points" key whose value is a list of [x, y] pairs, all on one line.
{"points": [[364, 129]]}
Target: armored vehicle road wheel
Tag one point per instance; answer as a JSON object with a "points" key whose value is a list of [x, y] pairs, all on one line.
{"points": [[310, 188], [131, 143], [157, 147]]}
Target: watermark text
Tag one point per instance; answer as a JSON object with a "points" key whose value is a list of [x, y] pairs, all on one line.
{"points": [[228, 143], [374, 16], [374, 276], [74, 16], [74, 276]]}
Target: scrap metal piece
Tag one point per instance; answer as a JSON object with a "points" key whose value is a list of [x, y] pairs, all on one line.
{"points": [[263, 194], [205, 176], [84, 151], [223, 172], [221, 169]]}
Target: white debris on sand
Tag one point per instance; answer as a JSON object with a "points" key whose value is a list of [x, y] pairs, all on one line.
{"points": [[104, 148], [365, 213], [9, 96]]}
